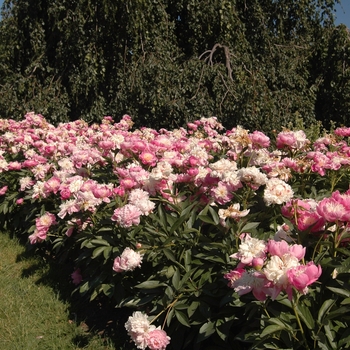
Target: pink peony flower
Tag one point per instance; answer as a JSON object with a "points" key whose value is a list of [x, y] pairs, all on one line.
{"points": [[52, 185], [14, 166], [65, 193], [222, 194], [292, 140], [259, 140], [302, 276], [128, 261], [233, 276], [148, 158], [19, 201], [332, 210], [103, 191], [343, 131], [127, 216], [157, 339], [44, 222], [3, 190], [281, 248]]}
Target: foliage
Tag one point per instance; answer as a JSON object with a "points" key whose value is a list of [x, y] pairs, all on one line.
{"points": [[156, 220], [251, 63]]}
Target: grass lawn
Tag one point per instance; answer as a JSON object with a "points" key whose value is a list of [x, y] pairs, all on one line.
{"points": [[36, 312]]}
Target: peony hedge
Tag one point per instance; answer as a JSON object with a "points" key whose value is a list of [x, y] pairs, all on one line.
{"points": [[213, 238]]}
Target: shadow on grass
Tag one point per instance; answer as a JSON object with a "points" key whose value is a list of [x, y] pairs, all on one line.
{"points": [[96, 318]]}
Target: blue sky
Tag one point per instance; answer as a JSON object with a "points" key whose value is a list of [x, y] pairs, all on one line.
{"points": [[342, 13]]}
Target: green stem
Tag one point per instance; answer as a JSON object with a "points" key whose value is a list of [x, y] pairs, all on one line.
{"points": [[300, 325]]}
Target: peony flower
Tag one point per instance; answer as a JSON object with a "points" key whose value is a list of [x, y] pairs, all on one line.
{"points": [[253, 177], [333, 210], [19, 201], [302, 276], [249, 249], [292, 140], [281, 248], [252, 281], [128, 261], [25, 183], [277, 192], [52, 185], [233, 276], [148, 158], [138, 328], [144, 334], [45, 221], [140, 199], [157, 339], [276, 271], [232, 212], [127, 216], [259, 140], [3, 190], [222, 193]]}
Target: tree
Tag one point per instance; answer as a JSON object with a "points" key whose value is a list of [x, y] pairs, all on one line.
{"points": [[167, 62]]}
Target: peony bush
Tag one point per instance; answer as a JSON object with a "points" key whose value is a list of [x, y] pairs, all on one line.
{"points": [[213, 238]]}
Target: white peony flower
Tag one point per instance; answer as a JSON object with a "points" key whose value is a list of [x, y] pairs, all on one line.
{"points": [[277, 192], [276, 268], [249, 249]]}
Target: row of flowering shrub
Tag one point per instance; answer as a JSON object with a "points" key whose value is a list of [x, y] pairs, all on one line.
{"points": [[215, 238]]}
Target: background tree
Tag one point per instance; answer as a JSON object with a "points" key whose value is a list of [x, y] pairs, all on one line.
{"points": [[166, 62]]}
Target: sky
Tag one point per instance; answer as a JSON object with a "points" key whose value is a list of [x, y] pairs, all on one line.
{"points": [[342, 12]]}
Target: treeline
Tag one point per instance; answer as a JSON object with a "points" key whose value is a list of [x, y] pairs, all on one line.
{"points": [[259, 64]]}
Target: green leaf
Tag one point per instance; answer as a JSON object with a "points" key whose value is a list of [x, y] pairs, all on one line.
{"points": [[107, 252], [279, 322], [84, 287], [326, 306], [98, 251], [305, 314], [161, 218], [249, 226], [192, 308], [176, 279], [177, 224], [346, 301], [99, 242], [214, 215], [150, 285], [169, 254], [206, 330], [182, 318], [339, 312], [343, 292], [108, 289], [271, 329], [206, 219], [188, 259]]}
